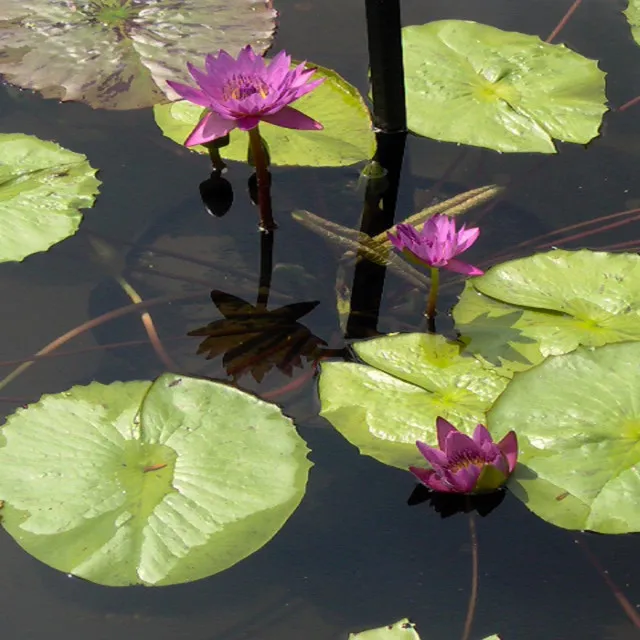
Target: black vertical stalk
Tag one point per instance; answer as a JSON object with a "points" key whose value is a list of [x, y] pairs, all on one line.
{"points": [[377, 216], [387, 70]]}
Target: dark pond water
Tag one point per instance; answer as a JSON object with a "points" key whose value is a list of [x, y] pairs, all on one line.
{"points": [[354, 555]]}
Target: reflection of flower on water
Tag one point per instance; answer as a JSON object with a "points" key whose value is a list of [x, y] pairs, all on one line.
{"points": [[254, 340]]}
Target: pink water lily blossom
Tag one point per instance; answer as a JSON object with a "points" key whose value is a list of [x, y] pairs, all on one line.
{"points": [[244, 92], [463, 464], [437, 244]]}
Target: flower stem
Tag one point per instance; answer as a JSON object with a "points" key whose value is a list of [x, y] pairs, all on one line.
{"points": [[433, 293], [262, 176], [473, 597]]}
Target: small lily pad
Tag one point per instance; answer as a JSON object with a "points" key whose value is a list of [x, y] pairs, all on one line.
{"points": [[384, 406], [149, 483], [118, 55], [347, 136], [42, 186], [578, 423], [401, 630], [557, 300], [633, 18], [474, 84]]}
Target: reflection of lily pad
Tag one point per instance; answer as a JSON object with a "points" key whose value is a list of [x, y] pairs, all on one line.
{"points": [[156, 484], [563, 299], [347, 136], [578, 422], [409, 380], [633, 17], [118, 54], [42, 186], [474, 84]]}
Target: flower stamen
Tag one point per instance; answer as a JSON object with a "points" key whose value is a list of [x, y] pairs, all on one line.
{"points": [[240, 87]]}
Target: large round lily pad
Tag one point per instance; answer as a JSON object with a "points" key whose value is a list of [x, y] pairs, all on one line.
{"points": [[577, 418], [155, 484], [548, 304], [384, 406], [474, 84], [118, 55], [42, 186], [347, 136]]}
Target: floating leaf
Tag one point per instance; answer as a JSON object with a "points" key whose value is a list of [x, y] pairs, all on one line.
{"points": [[384, 406], [577, 418], [42, 186], [401, 630], [474, 84], [633, 17], [118, 54], [149, 483], [347, 136], [570, 298]]}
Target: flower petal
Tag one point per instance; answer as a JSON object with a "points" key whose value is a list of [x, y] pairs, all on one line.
{"points": [[433, 456], [247, 123], [291, 118], [460, 444], [466, 237], [431, 480], [462, 267], [443, 428], [464, 479], [212, 126], [481, 435], [278, 68], [189, 93], [509, 446]]}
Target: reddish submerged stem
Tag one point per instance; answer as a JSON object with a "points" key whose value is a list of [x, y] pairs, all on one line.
{"points": [[262, 176], [562, 24]]}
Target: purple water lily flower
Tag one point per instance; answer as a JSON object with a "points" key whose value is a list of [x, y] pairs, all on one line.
{"points": [[437, 244], [467, 465], [241, 93]]}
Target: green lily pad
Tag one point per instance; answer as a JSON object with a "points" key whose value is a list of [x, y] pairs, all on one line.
{"points": [[118, 55], [474, 84], [524, 310], [347, 136], [149, 483], [42, 186], [633, 18], [577, 418], [401, 630], [384, 406]]}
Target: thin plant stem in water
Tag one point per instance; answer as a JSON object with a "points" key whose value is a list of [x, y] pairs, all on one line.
{"points": [[266, 270], [149, 327], [627, 607], [262, 177], [87, 326], [563, 23], [628, 104], [473, 596]]}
